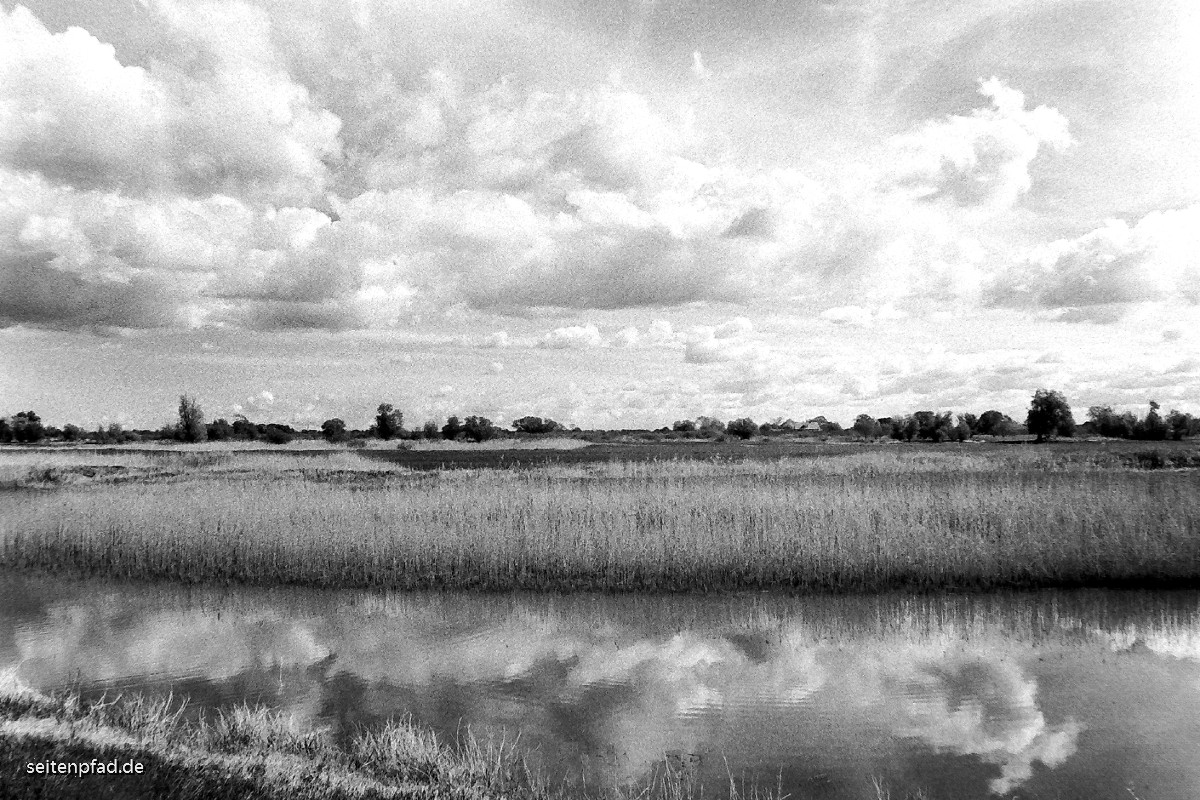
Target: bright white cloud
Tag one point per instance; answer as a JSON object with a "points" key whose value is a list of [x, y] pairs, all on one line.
{"points": [[72, 112], [501, 197], [575, 337], [981, 159], [1116, 264]]}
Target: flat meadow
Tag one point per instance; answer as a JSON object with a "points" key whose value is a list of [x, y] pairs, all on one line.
{"points": [[660, 518]]}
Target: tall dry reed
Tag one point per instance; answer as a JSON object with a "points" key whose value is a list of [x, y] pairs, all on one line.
{"points": [[850, 522]]}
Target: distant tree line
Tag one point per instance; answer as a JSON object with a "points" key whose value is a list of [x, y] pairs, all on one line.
{"points": [[1102, 420], [1049, 415]]}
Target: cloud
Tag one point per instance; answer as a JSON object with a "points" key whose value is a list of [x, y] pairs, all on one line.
{"points": [[980, 159], [859, 316], [1114, 265], [979, 706], [69, 110], [848, 315], [33, 290], [498, 339], [225, 194], [738, 326], [710, 345], [627, 337], [576, 337]]}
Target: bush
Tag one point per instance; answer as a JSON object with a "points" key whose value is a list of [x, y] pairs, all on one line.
{"points": [[867, 427], [452, 429], [219, 431], [536, 425], [276, 434], [742, 428], [479, 429], [25, 427], [334, 430], [73, 433]]}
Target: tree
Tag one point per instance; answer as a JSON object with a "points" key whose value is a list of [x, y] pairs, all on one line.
{"points": [[932, 426], [334, 430], [1180, 424], [971, 421], [742, 428], [867, 427], [905, 428], [962, 429], [1106, 422], [6, 434], [220, 430], [115, 433], [479, 429], [73, 433], [191, 421], [389, 422], [1153, 427], [989, 421], [1049, 414], [278, 434], [452, 429], [430, 429], [683, 426], [710, 426], [536, 425], [27, 427], [244, 429]]}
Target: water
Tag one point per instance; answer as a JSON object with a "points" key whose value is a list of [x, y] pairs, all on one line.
{"points": [[1040, 695]]}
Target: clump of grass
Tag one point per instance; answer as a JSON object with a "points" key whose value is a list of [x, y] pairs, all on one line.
{"points": [[875, 520]]}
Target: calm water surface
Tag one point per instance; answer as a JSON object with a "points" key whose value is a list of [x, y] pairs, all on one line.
{"points": [[1039, 695]]}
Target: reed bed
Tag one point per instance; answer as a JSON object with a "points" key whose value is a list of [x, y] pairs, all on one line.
{"points": [[870, 521]]}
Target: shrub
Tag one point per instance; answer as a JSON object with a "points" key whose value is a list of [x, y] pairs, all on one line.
{"points": [[742, 428], [334, 430], [277, 434]]}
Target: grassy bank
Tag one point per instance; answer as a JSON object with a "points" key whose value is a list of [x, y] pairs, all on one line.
{"points": [[871, 519], [264, 754], [243, 753]]}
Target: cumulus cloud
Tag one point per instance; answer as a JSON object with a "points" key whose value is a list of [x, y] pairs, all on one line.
{"points": [[575, 337], [223, 178], [1114, 265], [71, 111], [497, 339], [34, 290], [980, 159], [710, 345], [978, 706], [848, 315], [627, 337], [860, 316], [738, 326]]}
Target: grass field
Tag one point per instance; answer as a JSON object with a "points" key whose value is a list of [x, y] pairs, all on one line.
{"points": [[846, 518]]}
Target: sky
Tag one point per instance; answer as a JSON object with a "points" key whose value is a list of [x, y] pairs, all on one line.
{"points": [[615, 215]]}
